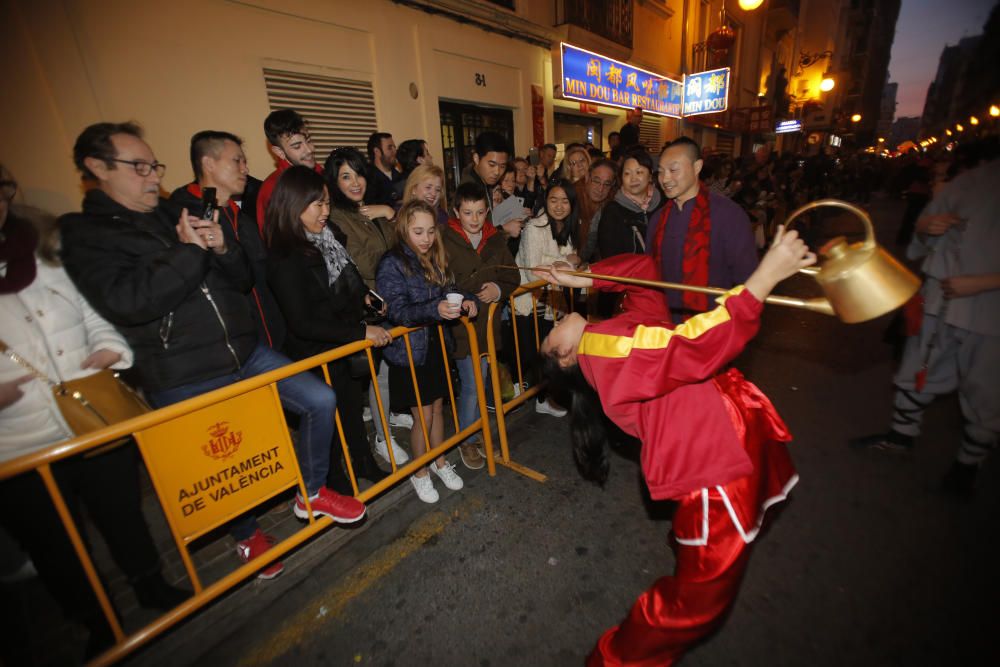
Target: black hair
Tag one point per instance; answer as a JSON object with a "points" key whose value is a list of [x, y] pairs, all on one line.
{"points": [[208, 142], [491, 142], [614, 134], [353, 158], [282, 123], [407, 154], [640, 155], [544, 146], [95, 142], [375, 141], [587, 429], [469, 192], [569, 224], [297, 188], [692, 147]]}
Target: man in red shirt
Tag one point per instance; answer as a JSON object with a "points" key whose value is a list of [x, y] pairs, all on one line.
{"points": [[290, 142]]}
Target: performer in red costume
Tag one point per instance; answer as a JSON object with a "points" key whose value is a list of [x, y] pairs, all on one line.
{"points": [[713, 443]]}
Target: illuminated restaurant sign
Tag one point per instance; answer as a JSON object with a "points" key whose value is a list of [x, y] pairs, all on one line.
{"points": [[788, 126], [590, 77], [706, 92]]}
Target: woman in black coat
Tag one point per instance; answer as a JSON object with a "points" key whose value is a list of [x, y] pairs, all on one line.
{"points": [[323, 299]]}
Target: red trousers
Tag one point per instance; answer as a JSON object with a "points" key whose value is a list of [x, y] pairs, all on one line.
{"points": [[712, 531]]}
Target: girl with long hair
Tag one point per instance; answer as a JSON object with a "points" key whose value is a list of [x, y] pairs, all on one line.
{"points": [[710, 440], [546, 239], [414, 280], [426, 183]]}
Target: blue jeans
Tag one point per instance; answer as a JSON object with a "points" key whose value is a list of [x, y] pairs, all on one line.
{"points": [[304, 395], [468, 408]]}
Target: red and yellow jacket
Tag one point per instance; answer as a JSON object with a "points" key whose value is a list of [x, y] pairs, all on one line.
{"points": [[656, 381]]}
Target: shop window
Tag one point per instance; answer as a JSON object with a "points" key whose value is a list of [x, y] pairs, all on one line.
{"points": [[340, 112]]}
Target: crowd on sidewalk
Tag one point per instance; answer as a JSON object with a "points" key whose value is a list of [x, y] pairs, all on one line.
{"points": [[230, 277]]}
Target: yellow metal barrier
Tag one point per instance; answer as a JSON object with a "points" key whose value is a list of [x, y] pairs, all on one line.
{"points": [[526, 393], [144, 430]]}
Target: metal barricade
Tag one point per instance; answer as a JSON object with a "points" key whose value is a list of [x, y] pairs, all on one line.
{"points": [[526, 393], [262, 390]]}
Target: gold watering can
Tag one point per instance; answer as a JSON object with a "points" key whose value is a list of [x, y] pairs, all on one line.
{"points": [[861, 280]]}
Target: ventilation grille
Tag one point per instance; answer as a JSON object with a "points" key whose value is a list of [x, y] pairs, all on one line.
{"points": [[340, 112], [649, 133]]}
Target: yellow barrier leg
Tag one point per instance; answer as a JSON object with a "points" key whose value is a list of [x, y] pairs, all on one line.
{"points": [[81, 552]]}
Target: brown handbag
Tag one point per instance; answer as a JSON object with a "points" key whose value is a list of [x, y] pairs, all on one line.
{"points": [[91, 402]]}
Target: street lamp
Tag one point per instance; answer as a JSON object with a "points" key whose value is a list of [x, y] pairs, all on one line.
{"points": [[827, 84], [856, 118], [881, 140], [958, 126], [750, 5], [973, 120], [994, 110], [948, 132]]}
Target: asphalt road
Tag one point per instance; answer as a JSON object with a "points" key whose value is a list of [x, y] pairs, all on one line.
{"points": [[867, 564]]}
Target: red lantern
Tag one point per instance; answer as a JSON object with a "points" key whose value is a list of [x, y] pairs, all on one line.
{"points": [[721, 39]]}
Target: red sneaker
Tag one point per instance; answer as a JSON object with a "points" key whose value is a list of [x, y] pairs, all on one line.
{"points": [[254, 546], [342, 509]]}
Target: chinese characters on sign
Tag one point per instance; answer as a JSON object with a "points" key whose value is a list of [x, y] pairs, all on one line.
{"points": [[706, 92], [589, 77]]}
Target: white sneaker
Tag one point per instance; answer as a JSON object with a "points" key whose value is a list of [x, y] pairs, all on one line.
{"points": [[448, 476], [400, 420], [398, 452], [546, 408], [366, 414], [425, 488]]}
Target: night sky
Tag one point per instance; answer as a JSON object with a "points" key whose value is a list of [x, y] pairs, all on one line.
{"points": [[924, 28]]}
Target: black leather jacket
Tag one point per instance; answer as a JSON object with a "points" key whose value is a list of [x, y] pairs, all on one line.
{"points": [[183, 310]]}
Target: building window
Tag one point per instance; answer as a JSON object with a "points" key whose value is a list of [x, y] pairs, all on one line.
{"points": [[650, 133], [611, 19], [340, 112]]}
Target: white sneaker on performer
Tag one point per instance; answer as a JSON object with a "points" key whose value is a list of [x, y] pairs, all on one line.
{"points": [[397, 452], [400, 420], [546, 408], [448, 476], [425, 488]]}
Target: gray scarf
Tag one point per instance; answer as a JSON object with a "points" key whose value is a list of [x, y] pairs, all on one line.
{"points": [[334, 254]]}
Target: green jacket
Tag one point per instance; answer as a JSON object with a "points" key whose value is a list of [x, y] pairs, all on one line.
{"points": [[367, 240], [471, 270]]}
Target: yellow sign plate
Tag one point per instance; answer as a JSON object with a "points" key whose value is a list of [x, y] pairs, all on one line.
{"points": [[214, 464]]}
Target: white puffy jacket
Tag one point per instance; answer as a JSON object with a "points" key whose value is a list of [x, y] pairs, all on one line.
{"points": [[537, 247], [50, 325]]}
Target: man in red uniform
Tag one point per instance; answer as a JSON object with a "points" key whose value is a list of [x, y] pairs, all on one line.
{"points": [[713, 443]]}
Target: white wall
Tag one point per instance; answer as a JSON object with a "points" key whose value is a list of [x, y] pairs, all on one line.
{"points": [[187, 65]]}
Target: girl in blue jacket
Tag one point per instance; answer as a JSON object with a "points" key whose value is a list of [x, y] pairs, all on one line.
{"points": [[414, 280]]}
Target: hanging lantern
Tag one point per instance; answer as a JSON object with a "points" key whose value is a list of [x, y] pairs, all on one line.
{"points": [[721, 39]]}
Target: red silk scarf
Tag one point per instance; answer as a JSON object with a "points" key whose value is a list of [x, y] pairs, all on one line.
{"points": [[694, 267]]}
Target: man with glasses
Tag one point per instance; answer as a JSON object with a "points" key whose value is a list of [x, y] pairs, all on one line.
{"points": [[172, 285], [291, 145], [592, 193]]}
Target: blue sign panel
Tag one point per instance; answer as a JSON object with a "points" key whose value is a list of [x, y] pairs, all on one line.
{"points": [[788, 126], [706, 92], [590, 77]]}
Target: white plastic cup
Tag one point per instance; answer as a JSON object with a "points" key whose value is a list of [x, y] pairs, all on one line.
{"points": [[455, 300]]}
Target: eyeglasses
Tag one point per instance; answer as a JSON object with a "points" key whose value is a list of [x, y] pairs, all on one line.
{"points": [[604, 185], [8, 189], [144, 168]]}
